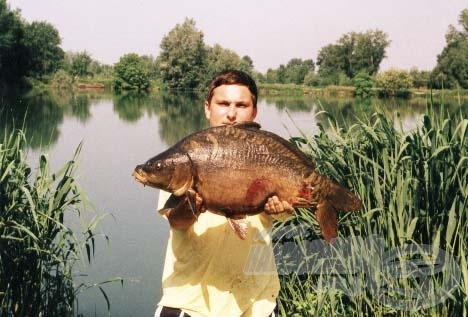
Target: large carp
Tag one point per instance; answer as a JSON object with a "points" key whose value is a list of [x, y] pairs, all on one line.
{"points": [[235, 169]]}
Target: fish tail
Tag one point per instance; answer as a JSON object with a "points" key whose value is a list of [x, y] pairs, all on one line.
{"points": [[340, 197], [334, 198]]}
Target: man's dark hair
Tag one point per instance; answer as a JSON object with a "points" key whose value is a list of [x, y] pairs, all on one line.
{"points": [[233, 77]]}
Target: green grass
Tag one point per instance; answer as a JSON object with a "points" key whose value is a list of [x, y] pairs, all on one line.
{"points": [[414, 187], [38, 250]]}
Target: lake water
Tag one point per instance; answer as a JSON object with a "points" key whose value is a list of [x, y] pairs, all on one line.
{"points": [[119, 132]]}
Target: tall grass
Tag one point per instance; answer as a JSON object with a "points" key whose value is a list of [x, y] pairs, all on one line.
{"points": [[405, 253], [37, 249]]}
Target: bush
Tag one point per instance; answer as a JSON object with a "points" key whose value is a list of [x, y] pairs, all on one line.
{"points": [[131, 73], [61, 80], [394, 82], [363, 84]]}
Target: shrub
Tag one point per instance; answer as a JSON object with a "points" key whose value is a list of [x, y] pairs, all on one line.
{"points": [[394, 82], [363, 84], [61, 80], [131, 73]]}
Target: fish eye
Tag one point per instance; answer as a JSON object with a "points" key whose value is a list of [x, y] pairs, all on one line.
{"points": [[158, 165]]}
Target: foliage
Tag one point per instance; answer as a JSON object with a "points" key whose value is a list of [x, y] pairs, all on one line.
{"points": [[182, 57], [414, 189], [311, 79], [131, 73], [37, 249], [420, 78], [43, 41], [294, 72], [14, 55], [98, 69], [394, 82], [363, 84], [219, 59], [151, 65], [452, 64], [61, 80], [79, 64], [353, 53]]}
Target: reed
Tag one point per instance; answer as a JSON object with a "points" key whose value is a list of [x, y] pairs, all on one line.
{"points": [[414, 187], [38, 250]]}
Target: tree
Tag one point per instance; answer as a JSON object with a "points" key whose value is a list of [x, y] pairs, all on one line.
{"points": [[80, 64], [353, 53], [14, 55], [219, 59], [452, 64], [294, 72], [363, 84], [131, 73], [182, 57], [151, 65], [43, 41], [297, 70], [420, 77], [394, 82], [271, 76], [247, 64]]}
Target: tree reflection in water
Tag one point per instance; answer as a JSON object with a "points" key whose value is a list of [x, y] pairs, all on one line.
{"points": [[41, 113]]}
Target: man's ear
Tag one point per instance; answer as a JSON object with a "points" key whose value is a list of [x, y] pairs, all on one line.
{"points": [[255, 112], [207, 110]]}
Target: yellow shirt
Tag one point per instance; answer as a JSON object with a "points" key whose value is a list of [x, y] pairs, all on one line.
{"points": [[209, 271]]}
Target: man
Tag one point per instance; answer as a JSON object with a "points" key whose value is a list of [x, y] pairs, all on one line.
{"points": [[205, 268]]}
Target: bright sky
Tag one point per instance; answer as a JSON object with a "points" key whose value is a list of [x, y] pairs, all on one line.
{"points": [[271, 32]]}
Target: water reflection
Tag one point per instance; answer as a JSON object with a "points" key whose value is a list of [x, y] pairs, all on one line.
{"points": [[42, 112]]}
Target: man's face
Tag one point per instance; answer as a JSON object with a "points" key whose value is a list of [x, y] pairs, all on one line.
{"points": [[230, 104]]}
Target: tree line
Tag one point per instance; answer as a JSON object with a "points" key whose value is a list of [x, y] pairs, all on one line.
{"points": [[185, 62]]}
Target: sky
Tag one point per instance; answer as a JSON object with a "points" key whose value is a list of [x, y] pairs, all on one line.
{"points": [[271, 32]]}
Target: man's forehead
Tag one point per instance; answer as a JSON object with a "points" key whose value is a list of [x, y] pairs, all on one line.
{"points": [[239, 92]]}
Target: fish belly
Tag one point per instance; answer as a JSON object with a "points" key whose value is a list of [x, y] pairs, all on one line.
{"points": [[237, 192]]}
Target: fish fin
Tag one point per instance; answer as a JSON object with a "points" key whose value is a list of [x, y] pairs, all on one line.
{"points": [[164, 211], [247, 125], [191, 200], [239, 226], [327, 219]]}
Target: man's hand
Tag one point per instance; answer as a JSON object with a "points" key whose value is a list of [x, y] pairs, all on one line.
{"points": [[275, 206]]}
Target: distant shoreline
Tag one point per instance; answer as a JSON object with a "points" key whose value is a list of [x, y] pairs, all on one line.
{"points": [[348, 91]]}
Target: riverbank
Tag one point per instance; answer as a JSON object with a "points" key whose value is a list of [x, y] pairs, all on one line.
{"points": [[104, 84], [348, 91]]}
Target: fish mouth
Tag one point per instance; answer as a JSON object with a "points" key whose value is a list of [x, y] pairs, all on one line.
{"points": [[140, 177]]}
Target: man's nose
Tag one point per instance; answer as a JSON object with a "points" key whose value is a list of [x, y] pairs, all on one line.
{"points": [[231, 114]]}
